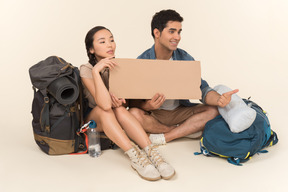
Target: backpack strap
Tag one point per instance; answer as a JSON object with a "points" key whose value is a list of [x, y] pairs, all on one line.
{"points": [[44, 116], [81, 104], [66, 114], [272, 140], [234, 161], [83, 130], [80, 107]]}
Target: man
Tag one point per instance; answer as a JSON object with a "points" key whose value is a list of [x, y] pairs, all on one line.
{"points": [[167, 120]]}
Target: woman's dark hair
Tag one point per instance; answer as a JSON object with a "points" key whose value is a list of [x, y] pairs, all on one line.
{"points": [[161, 18], [89, 43]]}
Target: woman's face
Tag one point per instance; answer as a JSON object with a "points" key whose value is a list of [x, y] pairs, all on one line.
{"points": [[103, 45]]}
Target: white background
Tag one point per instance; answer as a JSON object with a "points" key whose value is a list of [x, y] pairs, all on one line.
{"points": [[240, 43]]}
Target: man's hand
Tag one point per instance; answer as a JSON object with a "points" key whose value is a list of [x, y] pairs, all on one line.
{"points": [[154, 103], [225, 98], [117, 102]]}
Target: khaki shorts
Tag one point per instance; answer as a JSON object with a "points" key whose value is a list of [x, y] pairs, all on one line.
{"points": [[176, 116]]}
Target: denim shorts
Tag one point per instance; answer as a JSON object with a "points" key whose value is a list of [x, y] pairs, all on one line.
{"points": [[175, 116]]}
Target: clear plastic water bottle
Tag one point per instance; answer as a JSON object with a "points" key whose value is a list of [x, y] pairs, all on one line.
{"points": [[94, 147]]}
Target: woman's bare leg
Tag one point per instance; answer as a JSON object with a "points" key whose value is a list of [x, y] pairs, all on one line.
{"points": [[107, 122], [132, 127]]}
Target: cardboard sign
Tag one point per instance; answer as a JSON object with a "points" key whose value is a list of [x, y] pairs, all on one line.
{"points": [[143, 78]]}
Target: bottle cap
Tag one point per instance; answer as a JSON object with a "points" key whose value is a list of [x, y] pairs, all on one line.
{"points": [[92, 124]]}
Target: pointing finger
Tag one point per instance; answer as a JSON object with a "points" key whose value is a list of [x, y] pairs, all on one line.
{"points": [[232, 92]]}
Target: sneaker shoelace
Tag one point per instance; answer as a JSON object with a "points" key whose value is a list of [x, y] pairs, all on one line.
{"points": [[155, 156], [141, 157]]}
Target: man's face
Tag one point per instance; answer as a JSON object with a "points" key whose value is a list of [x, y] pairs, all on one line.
{"points": [[170, 36]]}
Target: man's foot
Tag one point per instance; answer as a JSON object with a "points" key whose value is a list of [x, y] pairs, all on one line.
{"points": [[157, 139]]}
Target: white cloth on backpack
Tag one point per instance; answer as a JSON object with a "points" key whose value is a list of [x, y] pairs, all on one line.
{"points": [[237, 114]]}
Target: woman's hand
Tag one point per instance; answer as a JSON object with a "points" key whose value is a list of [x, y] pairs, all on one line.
{"points": [[117, 102], [104, 63]]}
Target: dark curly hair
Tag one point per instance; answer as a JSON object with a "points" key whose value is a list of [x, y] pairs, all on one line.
{"points": [[89, 43], [161, 18]]}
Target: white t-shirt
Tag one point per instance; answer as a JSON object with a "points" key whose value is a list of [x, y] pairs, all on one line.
{"points": [[170, 104]]}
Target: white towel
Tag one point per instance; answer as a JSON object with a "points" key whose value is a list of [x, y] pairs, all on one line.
{"points": [[237, 114]]}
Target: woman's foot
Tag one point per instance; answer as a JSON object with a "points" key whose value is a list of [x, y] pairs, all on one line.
{"points": [[141, 164], [166, 170]]}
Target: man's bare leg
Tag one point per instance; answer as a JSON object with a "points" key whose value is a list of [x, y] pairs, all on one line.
{"points": [[193, 124], [149, 123]]}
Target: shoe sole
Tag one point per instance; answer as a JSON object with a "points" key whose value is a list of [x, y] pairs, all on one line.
{"points": [[169, 177], [147, 178]]}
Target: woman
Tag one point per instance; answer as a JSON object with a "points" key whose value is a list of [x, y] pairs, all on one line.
{"points": [[110, 114]]}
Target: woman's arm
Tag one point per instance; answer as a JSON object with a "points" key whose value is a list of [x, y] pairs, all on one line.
{"points": [[96, 85]]}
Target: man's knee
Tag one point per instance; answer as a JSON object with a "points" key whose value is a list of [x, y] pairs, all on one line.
{"points": [[212, 111], [137, 113]]}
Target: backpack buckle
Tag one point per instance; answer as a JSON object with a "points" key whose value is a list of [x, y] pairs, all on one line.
{"points": [[46, 99], [47, 129], [84, 127]]}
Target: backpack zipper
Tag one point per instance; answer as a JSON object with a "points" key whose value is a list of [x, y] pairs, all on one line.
{"points": [[261, 113]]}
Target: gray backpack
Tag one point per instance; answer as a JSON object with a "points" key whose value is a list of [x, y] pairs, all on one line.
{"points": [[57, 106]]}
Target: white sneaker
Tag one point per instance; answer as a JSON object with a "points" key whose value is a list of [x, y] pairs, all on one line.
{"points": [[141, 164], [157, 139], [165, 170]]}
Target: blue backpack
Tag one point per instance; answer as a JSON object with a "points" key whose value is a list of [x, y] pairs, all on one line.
{"points": [[218, 140]]}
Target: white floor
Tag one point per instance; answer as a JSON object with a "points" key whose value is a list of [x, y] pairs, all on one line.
{"points": [[24, 167], [242, 44]]}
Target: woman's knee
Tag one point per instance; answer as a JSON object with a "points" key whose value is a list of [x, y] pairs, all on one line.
{"points": [[99, 114], [120, 110]]}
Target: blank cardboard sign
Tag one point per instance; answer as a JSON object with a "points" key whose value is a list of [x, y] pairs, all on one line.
{"points": [[143, 78]]}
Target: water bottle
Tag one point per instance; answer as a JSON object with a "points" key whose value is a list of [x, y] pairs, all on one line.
{"points": [[94, 147]]}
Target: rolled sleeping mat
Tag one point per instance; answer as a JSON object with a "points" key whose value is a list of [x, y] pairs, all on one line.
{"points": [[63, 90]]}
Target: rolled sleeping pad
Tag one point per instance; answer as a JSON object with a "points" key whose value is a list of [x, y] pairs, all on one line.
{"points": [[63, 90]]}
